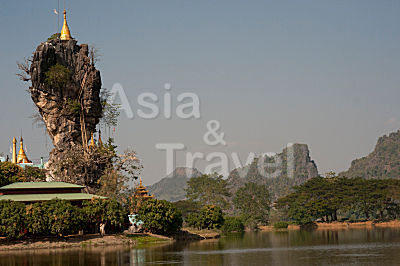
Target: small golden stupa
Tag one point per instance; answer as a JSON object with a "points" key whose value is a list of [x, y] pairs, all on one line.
{"points": [[21, 158], [100, 142], [141, 192], [65, 33], [92, 144]]}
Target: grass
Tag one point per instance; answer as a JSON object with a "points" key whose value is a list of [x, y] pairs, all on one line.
{"points": [[144, 239]]}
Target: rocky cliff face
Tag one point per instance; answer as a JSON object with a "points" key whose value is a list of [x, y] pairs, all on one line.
{"points": [[383, 162], [56, 103], [292, 167], [84, 86]]}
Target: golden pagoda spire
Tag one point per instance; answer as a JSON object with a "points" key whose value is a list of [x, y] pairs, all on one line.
{"points": [[22, 158], [92, 144], [65, 33], [100, 141], [14, 151]]}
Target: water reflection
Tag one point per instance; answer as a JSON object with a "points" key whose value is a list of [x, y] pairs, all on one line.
{"points": [[336, 247]]}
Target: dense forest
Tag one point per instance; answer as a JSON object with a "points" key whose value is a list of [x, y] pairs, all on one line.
{"points": [[340, 198]]}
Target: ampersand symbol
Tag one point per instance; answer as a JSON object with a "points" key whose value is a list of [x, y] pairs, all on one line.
{"points": [[218, 138]]}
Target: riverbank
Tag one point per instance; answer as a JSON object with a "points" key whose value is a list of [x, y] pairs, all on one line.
{"points": [[339, 225], [95, 240], [76, 241]]}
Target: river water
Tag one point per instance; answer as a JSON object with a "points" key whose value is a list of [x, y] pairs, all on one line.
{"points": [[321, 247]]}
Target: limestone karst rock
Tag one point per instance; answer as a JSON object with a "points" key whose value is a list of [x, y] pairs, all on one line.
{"points": [[54, 102], [63, 127]]}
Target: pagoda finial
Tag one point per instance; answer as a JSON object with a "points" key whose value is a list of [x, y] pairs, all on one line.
{"points": [[100, 141], [65, 33], [92, 144], [22, 158]]}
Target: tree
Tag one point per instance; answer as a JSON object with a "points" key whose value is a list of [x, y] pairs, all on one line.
{"points": [[253, 203], [209, 217], [58, 76], [322, 198], [77, 167], [106, 211], [94, 54], [34, 174], [111, 110], [10, 173], [232, 224], [187, 207], [160, 216], [37, 219], [117, 179], [208, 190], [63, 218], [12, 219]]}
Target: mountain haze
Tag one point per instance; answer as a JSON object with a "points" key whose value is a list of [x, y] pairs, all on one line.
{"points": [[172, 187]]}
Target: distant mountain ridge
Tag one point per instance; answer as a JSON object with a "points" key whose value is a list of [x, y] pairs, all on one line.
{"points": [[383, 162], [295, 168], [172, 187]]}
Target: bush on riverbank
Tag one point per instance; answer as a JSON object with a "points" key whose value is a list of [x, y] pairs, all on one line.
{"points": [[160, 216], [232, 224], [55, 217], [12, 219], [59, 217], [281, 225], [209, 217]]}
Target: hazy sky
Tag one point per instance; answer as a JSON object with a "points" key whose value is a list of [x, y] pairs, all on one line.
{"points": [[324, 73]]}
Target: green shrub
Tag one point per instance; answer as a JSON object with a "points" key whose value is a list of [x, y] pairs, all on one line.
{"points": [[232, 224], [108, 211], [10, 173], [281, 225], [193, 220], [63, 217], [57, 76], [55, 217], [160, 216], [12, 219], [54, 36], [210, 217], [74, 107]]}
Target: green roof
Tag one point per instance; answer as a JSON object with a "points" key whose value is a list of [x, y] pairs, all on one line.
{"points": [[45, 197], [28, 185]]}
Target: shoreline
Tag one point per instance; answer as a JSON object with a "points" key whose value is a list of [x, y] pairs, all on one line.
{"points": [[339, 225], [95, 240], [85, 241]]}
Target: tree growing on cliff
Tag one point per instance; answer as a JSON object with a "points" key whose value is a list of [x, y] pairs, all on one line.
{"points": [[111, 111]]}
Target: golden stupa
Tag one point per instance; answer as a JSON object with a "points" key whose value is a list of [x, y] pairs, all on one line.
{"points": [[22, 158], [141, 192], [100, 142], [65, 33], [92, 144]]}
